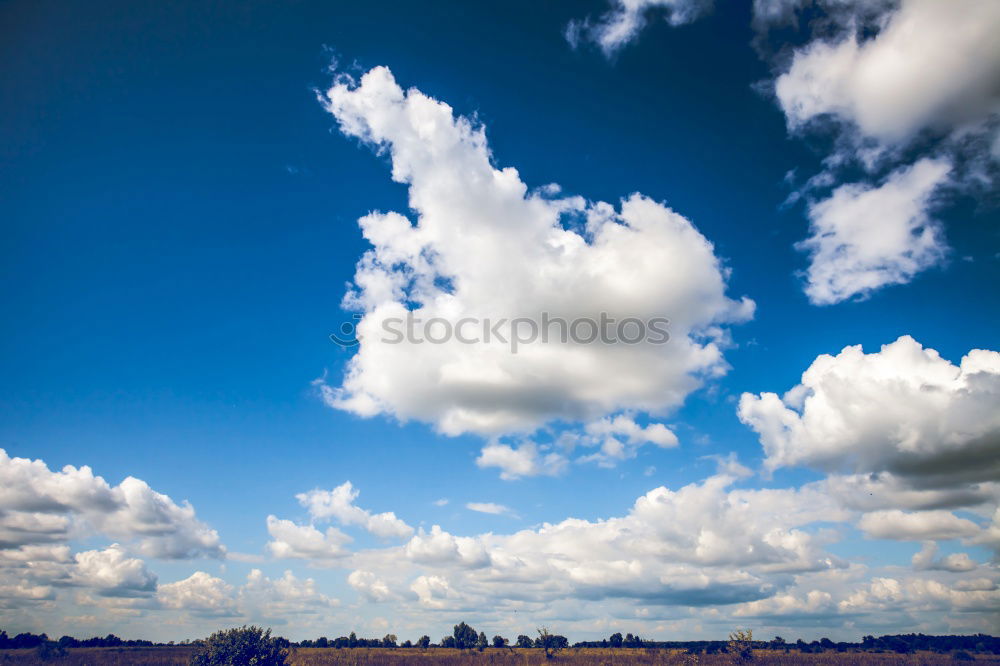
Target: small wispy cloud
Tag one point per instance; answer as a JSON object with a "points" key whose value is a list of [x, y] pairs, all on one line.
{"points": [[441, 502], [491, 508]]}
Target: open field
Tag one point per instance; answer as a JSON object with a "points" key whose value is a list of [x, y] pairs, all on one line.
{"points": [[177, 655]]}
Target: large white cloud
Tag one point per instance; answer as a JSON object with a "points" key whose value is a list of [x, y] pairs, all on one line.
{"points": [[907, 436], [903, 410], [933, 65], [38, 505], [482, 245], [864, 238]]}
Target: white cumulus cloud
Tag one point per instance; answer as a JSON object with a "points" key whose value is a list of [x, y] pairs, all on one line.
{"points": [[916, 525], [38, 505], [201, 594], [338, 504], [903, 410], [111, 572], [933, 65], [864, 237], [927, 560], [289, 540], [520, 461], [481, 245]]}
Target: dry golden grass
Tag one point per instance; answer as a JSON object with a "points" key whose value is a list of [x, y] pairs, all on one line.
{"points": [[177, 655], [158, 656], [610, 657]]}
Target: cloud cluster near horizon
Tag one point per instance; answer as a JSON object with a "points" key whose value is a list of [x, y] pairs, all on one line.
{"points": [[907, 442]]}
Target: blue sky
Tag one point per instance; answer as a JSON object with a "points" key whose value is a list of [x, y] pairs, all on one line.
{"points": [[183, 186]]}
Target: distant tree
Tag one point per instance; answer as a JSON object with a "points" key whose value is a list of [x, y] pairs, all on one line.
{"points": [[499, 641], [524, 641], [27, 640], [243, 645], [389, 641], [352, 640], [615, 640], [826, 643], [740, 647], [423, 642], [449, 642], [465, 636], [407, 643], [551, 643]]}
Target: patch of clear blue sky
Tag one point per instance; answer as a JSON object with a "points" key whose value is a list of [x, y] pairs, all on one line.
{"points": [[179, 223]]}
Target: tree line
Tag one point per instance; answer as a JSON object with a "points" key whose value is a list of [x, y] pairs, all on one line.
{"points": [[465, 637], [30, 640]]}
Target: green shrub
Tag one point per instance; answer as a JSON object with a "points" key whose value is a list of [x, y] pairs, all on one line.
{"points": [[244, 646], [50, 651], [740, 647]]}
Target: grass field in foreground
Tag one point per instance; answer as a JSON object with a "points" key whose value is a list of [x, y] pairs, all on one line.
{"points": [[177, 655]]}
